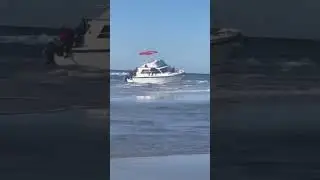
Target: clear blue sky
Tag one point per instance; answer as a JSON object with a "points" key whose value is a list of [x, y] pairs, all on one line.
{"points": [[178, 29]]}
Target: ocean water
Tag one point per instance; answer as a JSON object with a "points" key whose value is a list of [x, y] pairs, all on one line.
{"points": [[157, 120], [186, 167], [266, 111]]}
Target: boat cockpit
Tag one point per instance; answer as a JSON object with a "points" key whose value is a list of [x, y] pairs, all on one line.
{"points": [[155, 67]]}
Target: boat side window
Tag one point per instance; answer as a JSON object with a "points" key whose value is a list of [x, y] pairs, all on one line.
{"points": [[154, 71], [164, 70], [145, 71], [105, 32]]}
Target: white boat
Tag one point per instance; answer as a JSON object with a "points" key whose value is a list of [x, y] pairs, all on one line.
{"points": [[223, 44], [155, 72], [220, 36], [94, 51]]}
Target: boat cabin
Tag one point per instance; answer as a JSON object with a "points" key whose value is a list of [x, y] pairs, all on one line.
{"points": [[93, 49], [154, 67]]}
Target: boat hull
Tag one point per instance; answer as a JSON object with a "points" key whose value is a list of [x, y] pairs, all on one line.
{"points": [[157, 80], [94, 60]]}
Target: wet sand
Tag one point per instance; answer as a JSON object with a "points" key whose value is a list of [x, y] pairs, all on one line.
{"points": [[54, 123]]}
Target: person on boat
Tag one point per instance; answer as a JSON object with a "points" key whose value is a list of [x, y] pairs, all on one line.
{"points": [[83, 26], [67, 38], [80, 31], [153, 71], [130, 74], [135, 71]]}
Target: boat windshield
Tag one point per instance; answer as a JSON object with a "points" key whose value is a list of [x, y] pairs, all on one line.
{"points": [[164, 69], [161, 63], [151, 71], [154, 70]]}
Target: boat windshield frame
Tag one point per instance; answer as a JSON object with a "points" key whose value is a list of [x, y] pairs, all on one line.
{"points": [[164, 67], [161, 64]]}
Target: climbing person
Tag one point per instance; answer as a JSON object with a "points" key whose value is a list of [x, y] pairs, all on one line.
{"points": [[80, 31], [67, 38]]}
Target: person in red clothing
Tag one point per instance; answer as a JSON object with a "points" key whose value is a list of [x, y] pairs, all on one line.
{"points": [[63, 34], [67, 38]]}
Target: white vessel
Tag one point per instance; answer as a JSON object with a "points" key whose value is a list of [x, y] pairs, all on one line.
{"points": [[275, 19], [95, 49], [49, 13], [223, 44], [221, 35], [155, 72]]}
